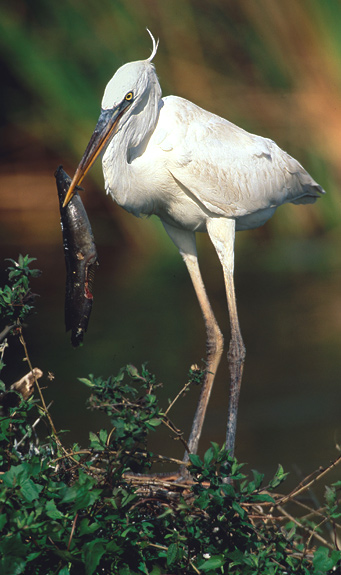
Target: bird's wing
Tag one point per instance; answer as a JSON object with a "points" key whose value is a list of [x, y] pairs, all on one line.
{"points": [[226, 169]]}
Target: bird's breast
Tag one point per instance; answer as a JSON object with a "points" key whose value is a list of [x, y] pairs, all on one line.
{"points": [[164, 200], [183, 213]]}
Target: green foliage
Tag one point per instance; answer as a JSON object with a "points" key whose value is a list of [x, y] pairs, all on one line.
{"points": [[133, 410], [16, 298], [16, 301], [87, 512], [71, 514]]}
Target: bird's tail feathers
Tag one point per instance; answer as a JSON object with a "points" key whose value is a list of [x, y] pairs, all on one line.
{"points": [[310, 190], [307, 199]]}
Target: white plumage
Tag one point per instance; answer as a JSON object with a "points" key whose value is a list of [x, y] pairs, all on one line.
{"points": [[172, 150], [196, 172]]}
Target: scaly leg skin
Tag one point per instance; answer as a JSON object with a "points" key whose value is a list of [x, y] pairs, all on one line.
{"points": [[185, 242], [236, 356], [222, 233], [214, 349]]}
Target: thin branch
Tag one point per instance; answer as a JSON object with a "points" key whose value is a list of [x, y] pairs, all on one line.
{"points": [[306, 529], [301, 488], [181, 392], [72, 531], [4, 333], [23, 343], [33, 426]]}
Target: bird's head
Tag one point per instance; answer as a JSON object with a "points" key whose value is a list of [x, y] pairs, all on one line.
{"points": [[126, 94]]}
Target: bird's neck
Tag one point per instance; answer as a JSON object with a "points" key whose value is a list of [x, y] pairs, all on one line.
{"points": [[123, 158]]}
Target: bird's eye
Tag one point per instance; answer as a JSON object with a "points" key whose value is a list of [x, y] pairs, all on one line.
{"points": [[129, 96]]}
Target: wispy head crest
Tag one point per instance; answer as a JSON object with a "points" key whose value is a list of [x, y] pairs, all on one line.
{"points": [[155, 46]]}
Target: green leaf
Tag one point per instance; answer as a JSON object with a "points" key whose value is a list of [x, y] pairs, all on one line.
{"points": [[103, 435], [85, 527], [257, 478], [324, 562], [92, 554], [52, 511], [95, 442], [195, 460], [3, 521], [32, 556], [12, 546], [212, 563], [241, 512], [330, 495], [237, 557], [81, 496], [172, 553], [87, 381], [12, 566], [279, 477], [208, 457], [154, 422], [132, 371], [259, 497], [15, 475], [30, 490]]}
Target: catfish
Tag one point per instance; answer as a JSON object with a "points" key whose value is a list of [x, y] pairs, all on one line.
{"points": [[81, 259]]}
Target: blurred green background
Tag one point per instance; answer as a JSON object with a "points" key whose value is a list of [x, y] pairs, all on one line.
{"points": [[273, 68]]}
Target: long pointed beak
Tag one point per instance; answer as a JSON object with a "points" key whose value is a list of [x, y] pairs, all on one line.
{"points": [[106, 127]]}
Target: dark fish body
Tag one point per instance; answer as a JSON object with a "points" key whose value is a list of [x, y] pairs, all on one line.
{"points": [[80, 259]]}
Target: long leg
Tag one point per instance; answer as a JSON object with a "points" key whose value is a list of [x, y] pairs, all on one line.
{"points": [[222, 233], [185, 241]]}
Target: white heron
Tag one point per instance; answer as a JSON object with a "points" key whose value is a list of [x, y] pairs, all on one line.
{"points": [[198, 173]]}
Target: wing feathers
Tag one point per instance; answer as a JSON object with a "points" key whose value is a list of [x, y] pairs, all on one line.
{"points": [[230, 171]]}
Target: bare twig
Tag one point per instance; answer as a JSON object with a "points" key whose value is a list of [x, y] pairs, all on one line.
{"points": [[311, 532], [301, 488], [4, 333], [44, 407], [181, 392], [72, 531], [33, 426], [179, 434], [23, 343]]}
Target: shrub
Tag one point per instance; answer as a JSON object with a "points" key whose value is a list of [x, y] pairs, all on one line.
{"points": [[99, 510]]}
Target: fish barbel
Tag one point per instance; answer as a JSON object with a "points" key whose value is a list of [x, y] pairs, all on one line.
{"points": [[80, 259]]}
